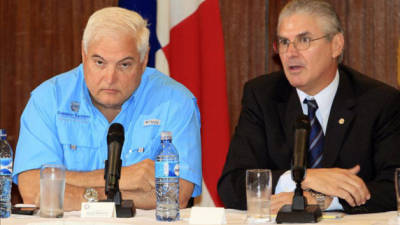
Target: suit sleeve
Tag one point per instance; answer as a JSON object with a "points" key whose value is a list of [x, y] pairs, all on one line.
{"points": [[386, 142], [247, 150]]}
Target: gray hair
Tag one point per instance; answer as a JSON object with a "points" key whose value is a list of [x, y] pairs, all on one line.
{"points": [[112, 20], [323, 10]]}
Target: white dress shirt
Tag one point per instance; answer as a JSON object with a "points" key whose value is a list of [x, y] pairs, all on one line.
{"points": [[324, 100]]}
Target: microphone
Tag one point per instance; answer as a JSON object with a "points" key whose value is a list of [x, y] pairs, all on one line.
{"points": [[115, 140], [112, 172], [302, 132], [299, 211], [301, 135]]}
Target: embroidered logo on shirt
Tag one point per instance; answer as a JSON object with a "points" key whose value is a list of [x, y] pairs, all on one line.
{"points": [[151, 122], [73, 117], [75, 106]]}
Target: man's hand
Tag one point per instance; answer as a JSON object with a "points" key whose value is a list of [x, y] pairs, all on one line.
{"points": [[139, 176], [286, 198], [147, 200], [343, 183], [279, 200]]}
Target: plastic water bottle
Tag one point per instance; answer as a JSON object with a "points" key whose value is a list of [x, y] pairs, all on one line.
{"points": [[167, 180], [6, 162]]}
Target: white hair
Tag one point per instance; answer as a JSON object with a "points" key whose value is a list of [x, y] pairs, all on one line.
{"points": [[324, 11], [116, 20]]}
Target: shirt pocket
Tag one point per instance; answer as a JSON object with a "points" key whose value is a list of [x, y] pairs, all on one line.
{"points": [[81, 146], [144, 139]]}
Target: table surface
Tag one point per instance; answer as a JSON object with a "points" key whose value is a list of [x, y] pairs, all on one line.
{"points": [[147, 217]]}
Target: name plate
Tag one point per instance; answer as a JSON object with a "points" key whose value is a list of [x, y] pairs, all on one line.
{"points": [[98, 210], [207, 215]]}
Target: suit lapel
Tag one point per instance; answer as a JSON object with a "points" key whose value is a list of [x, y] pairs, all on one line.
{"points": [[289, 111], [340, 118]]}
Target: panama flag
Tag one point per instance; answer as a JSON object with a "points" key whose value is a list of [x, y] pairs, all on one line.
{"points": [[187, 43]]}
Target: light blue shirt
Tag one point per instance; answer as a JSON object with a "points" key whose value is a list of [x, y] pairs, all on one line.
{"points": [[61, 125], [324, 100]]}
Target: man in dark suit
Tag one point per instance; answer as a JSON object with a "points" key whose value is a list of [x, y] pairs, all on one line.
{"points": [[358, 120]]}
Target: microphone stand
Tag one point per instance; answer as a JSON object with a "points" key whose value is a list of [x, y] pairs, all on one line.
{"points": [[123, 208], [299, 211]]}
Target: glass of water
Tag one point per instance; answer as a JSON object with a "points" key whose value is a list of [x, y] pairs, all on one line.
{"points": [[397, 186], [258, 193], [52, 187]]}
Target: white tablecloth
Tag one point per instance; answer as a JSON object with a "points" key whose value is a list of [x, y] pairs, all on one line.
{"points": [[145, 217]]}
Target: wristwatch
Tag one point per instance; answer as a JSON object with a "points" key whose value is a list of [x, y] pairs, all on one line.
{"points": [[91, 195], [321, 198]]}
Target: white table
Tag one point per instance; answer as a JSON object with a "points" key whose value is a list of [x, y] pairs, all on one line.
{"points": [[144, 217]]}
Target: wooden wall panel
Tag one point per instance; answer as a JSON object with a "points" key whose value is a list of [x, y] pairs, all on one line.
{"points": [[8, 111], [372, 31], [39, 38], [244, 27]]}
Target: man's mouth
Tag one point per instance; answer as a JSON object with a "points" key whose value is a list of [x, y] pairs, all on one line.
{"points": [[110, 90], [295, 68]]}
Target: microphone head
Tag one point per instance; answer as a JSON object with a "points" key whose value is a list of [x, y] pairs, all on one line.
{"points": [[303, 122], [301, 135], [115, 133]]}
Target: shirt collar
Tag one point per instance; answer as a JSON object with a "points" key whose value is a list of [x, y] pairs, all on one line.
{"points": [[324, 100]]}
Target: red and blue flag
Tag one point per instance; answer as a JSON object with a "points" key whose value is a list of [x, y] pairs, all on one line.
{"points": [[186, 42]]}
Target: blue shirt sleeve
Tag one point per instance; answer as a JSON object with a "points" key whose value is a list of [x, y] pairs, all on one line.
{"points": [[184, 122], [37, 142]]}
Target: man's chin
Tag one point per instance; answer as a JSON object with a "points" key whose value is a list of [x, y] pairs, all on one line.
{"points": [[297, 83], [108, 104]]}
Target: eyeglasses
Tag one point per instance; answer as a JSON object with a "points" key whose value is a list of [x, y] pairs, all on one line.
{"points": [[300, 43]]}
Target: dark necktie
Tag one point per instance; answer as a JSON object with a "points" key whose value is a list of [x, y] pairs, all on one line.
{"points": [[316, 140]]}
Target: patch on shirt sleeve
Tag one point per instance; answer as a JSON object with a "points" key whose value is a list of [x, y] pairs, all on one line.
{"points": [[152, 122]]}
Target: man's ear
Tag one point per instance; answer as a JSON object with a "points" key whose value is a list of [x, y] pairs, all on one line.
{"points": [[83, 53], [337, 45], [145, 59]]}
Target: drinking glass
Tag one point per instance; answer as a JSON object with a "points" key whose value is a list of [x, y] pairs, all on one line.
{"points": [[52, 187], [258, 193]]}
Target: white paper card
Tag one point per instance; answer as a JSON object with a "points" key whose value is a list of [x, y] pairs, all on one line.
{"points": [[98, 210], [207, 215]]}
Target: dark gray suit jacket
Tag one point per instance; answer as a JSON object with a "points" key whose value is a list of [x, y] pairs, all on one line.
{"points": [[369, 136]]}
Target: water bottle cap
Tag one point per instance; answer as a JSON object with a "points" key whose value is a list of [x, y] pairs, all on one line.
{"points": [[165, 135], [3, 134]]}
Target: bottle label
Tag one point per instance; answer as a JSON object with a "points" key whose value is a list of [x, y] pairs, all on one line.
{"points": [[5, 166], [167, 169]]}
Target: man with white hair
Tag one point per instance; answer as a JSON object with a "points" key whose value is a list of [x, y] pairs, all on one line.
{"points": [[355, 121], [67, 118]]}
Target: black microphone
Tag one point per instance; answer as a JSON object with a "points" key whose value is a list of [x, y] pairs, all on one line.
{"points": [[115, 141], [301, 136], [299, 211], [112, 172]]}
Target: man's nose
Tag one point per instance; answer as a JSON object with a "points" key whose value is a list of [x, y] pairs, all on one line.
{"points": [[111, 75], [291, 49]]}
